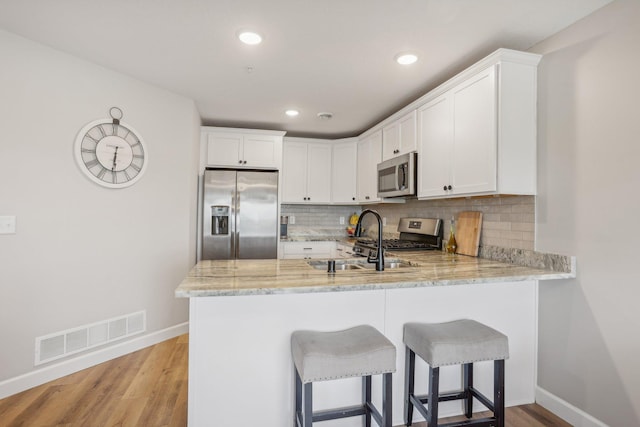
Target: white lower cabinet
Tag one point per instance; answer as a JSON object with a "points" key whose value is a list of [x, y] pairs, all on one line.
{"points": [[307, 250], [344, 250]]}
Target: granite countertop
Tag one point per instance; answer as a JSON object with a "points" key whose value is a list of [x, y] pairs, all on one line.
{"points": [[432, 268]]}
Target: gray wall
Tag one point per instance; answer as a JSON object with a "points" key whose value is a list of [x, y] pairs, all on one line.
{"points": [[588, 206], [83, 253]]}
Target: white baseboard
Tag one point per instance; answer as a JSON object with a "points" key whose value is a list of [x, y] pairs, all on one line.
{"points": [[563, 409], [52, 372]]}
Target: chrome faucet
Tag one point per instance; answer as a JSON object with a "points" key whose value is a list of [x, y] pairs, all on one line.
{"points": [[379, 258]]}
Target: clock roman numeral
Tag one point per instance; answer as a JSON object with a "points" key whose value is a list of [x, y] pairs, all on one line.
{"points": [[92, 163], [101, 131], [136, 167], [101, 174], [126, 175]]}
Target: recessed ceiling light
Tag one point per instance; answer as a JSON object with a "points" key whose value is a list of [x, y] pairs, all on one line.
{"points": [[249, 37], [292, 113], [406, 58], [325, 115]]}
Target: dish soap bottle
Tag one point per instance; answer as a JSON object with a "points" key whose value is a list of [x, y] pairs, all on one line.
{"points": [[451, 243]]}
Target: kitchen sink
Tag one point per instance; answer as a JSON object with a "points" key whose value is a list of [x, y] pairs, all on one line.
{"points": [[387, 265], [357, 264]]}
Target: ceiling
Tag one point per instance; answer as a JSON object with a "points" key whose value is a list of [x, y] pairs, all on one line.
{"points": [[317, 55]]}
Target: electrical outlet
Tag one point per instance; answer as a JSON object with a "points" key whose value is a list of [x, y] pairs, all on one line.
{"points": [[341, 220], [7, 225], [292, 219]]}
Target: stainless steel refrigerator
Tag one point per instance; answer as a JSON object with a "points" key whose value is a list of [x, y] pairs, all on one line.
{"points": [[240, 217]]}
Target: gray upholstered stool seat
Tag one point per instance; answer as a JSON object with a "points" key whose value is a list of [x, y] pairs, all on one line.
{"points": [[360, 351], [455, 343], [460, 342]]}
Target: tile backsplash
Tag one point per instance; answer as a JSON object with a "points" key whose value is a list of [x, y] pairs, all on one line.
{"points": [[508, 221]]}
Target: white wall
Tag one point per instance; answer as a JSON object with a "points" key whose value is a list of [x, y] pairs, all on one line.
{"points": [[83, 253], [588, 205]]}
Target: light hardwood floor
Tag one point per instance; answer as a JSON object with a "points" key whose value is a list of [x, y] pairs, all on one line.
{"points": [[148, 388]]}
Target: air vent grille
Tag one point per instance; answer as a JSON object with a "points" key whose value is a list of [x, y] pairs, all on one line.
{"points": [[65, 343]]}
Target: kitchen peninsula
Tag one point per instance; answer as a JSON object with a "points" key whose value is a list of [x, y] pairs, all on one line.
{"points": [[242, 313]]}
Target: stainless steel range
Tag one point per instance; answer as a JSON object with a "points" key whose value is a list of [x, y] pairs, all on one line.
{"points": [[416, 234]]}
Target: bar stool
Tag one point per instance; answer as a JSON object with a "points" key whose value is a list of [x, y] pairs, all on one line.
{"points": [[460, 342], [361, 351]]}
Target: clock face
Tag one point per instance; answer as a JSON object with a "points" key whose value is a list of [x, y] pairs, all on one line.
{"points": [[111, 154]]}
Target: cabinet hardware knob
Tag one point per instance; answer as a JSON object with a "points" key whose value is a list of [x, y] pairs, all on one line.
{"points": [[245, 162], [367, 197], [449, 187], [444, 188], [353, 198], [240, 161]]}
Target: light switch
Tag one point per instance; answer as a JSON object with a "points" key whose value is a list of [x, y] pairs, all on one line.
{"points": [[384, 221], [292, 219], [8, 224], [341, 220]]}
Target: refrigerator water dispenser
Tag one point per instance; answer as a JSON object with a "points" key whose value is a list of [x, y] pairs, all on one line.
{"points": [[219, 220]]}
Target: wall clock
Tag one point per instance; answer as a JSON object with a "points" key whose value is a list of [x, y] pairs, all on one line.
{"points": [[111, 153]]}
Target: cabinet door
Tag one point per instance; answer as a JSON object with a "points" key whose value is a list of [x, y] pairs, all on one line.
{"points": [[294, 172], [435, 138], [307, 250], [223, 149], [400, 137], [318, 173], [344, 172], [369, 155], [391, 141], [259, 151], [474, 151], [408, 133]]}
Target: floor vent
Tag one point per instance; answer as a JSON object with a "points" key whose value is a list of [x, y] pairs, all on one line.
{"points": [[62, 344]]}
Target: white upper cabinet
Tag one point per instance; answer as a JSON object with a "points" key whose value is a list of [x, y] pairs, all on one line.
{"points": [[477, 132], [400, 136], [306, 172], [369, 155], [243, 148], [436, 136], [344, 171]]}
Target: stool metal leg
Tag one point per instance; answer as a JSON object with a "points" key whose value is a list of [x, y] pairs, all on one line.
{"points": [[297, 421], [409, 370], [467, 385], [387, 402], [308, 406], [434, 390], [366, 398], [498, 392]]}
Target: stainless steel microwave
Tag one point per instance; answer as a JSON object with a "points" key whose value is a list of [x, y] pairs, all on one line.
{"points": [[397, 177]]}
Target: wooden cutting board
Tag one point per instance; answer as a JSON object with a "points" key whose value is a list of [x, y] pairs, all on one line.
{"points": [[468, 232]]}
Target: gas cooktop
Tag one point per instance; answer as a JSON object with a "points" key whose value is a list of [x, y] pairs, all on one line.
{"points": [[397, 244], [415, 234]]}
